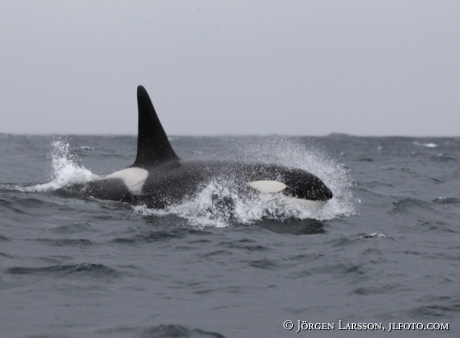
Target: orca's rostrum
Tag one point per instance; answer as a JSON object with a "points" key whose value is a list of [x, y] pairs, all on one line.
{"points": [[158, 177]]}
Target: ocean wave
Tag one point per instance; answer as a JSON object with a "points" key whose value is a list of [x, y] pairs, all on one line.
{"points": [[90, 270], [164, 330]]}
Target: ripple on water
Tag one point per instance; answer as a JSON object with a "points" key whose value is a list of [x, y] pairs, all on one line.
{"points": [[263, 264], [76, 227], [215, 253], [379, 289], [341, 270], [157, 236], [432, 311], [85, 270], [402, 205], [294, 227], [240, 245], [154, 236], [446, 200], [4, 255], [4, 239], [65, 242], [160, 331]]}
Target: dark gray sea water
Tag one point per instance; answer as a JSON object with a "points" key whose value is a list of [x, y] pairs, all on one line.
{"points": [[385, 250]]}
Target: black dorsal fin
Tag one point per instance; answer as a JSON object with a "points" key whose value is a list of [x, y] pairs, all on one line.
{"points": [[153, 146]]}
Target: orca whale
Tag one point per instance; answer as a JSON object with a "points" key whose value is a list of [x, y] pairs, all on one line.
{"points": [[158, 177]]}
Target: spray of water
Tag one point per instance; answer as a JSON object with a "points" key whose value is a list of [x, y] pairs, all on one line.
{"points": [[209, 207], [65, 171], [202, 210]]}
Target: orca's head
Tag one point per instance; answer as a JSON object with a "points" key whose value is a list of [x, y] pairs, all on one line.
{"points": [[299, 185], [304, 185]]}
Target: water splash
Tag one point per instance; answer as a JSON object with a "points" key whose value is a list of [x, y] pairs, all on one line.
{"points": [[427, 145], [65, 171], [205, 208], [209, 205]]}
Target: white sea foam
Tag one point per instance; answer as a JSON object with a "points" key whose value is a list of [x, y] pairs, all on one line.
{"points": [[427, 145], [372, 235], [65, 171]]}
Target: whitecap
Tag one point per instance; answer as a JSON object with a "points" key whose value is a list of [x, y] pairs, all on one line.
{"points": [[427, 145], [372, 235], [87, 148]]}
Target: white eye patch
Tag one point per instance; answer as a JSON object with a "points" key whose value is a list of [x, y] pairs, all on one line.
{"points": [[269, 187], [133, 178]]}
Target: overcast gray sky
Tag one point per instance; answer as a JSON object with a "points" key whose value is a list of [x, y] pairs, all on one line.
{"points": [[232, 67]]}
